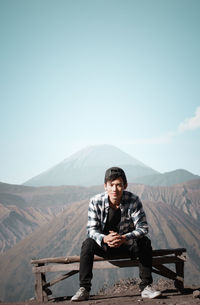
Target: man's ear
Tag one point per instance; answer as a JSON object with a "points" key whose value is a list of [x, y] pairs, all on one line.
{"points": [[105, 186], [125, 186]]}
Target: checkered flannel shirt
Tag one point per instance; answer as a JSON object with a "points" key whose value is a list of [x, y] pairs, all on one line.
{"points": [[133, 222]]}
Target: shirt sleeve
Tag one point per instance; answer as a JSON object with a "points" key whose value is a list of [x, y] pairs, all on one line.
{"points": [[94, 223], [139, 220]]}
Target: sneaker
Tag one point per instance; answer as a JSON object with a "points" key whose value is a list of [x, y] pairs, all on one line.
{"points": [[150, 293], [81, 295]]}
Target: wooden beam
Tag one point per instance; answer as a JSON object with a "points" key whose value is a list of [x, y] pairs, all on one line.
{"points": [[105, 264], [74, 259], [40, 281], [179, 282], [166, 272], [60, 278]]}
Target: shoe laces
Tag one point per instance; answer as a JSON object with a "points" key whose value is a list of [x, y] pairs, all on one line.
{"points": [[150, 288], [81, 291]]}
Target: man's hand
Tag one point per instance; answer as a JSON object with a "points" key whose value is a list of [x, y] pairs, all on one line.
{"points": [[114, 240]]}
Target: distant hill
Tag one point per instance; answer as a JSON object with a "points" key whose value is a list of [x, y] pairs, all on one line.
{"points": [[23, 209], [173, 215], [174, 177], [87, 167]]}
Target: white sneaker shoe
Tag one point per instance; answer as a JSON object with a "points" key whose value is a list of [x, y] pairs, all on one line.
{"points": [[150, 293], [81, 295]]}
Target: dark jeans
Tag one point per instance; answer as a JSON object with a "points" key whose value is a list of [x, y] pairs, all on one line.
{"points": [[91, 248]]}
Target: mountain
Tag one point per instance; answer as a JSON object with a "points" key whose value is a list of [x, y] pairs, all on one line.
{"points": [[173, 216], [174, 177], [87, 167], [23, 209], [184, 197]]}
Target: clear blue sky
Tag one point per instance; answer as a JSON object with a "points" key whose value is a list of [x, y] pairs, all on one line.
{"points": [[78, 73]]}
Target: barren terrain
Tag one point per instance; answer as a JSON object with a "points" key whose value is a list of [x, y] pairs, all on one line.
{"points": [[126, 292]]}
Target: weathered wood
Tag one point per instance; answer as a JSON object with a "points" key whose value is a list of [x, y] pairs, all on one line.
{"points": [[74, 259], [40, 281], [106, 264], [38, 287], [60, 278], [56, 268], [160, 252], [63, 260], [166, 272], [179, 282], [71, 265]]}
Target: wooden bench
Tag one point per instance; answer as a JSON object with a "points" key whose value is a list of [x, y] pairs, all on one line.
{"points": [[70, 265]]}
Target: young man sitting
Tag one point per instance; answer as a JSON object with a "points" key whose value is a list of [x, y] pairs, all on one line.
{"points": [[116, 225]]}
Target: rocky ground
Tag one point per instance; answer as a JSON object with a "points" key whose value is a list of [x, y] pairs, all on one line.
{"points": [[126, 292]]}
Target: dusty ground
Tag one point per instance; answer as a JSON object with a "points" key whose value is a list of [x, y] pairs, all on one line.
{"points": [[126, 292]]}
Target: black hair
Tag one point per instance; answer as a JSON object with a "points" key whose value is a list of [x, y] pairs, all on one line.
{"points": [[113, 173]]}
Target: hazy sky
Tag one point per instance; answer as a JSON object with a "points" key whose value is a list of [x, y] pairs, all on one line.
{"points": [[85, 72]]}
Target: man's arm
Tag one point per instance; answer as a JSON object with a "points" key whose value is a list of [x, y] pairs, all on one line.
{"points": [[139, 220], [94, 223]]}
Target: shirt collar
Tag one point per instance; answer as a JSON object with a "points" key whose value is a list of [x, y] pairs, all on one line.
{"points": [[107, 200], [123, 198]]}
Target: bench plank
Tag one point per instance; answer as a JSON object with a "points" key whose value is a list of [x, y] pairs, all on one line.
{"points": [[71, 265], [76, 258], [106, 264]]}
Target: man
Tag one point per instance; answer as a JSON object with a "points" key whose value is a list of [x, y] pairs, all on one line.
{"points": [[116, 225]]}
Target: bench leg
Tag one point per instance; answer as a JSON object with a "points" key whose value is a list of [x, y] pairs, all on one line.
{"points": [[179, 281], [40, 293]]}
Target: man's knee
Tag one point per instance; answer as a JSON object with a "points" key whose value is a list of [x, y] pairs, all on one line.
{"points": [[88, 245]]}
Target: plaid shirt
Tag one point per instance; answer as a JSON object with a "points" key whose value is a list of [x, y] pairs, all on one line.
{"points": [[133, 221]]}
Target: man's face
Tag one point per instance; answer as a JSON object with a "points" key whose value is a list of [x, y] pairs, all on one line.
{"points": [[115, 190]]}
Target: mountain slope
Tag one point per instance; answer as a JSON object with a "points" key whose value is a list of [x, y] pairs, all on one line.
{"points": [[87, 167], [174, 177], [23, 209], [171, 225], [184, 197]]}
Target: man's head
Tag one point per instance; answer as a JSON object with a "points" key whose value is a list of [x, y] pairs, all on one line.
{"points": [[115, 183], [113, 173]]}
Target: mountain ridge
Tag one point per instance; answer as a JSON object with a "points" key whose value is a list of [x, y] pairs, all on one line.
{"points": [[62, 236], [173, 216], [167, 179], [87, 167], [23, 209]]}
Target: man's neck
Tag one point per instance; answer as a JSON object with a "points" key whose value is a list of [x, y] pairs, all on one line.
{"points": [[114, 205]]}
